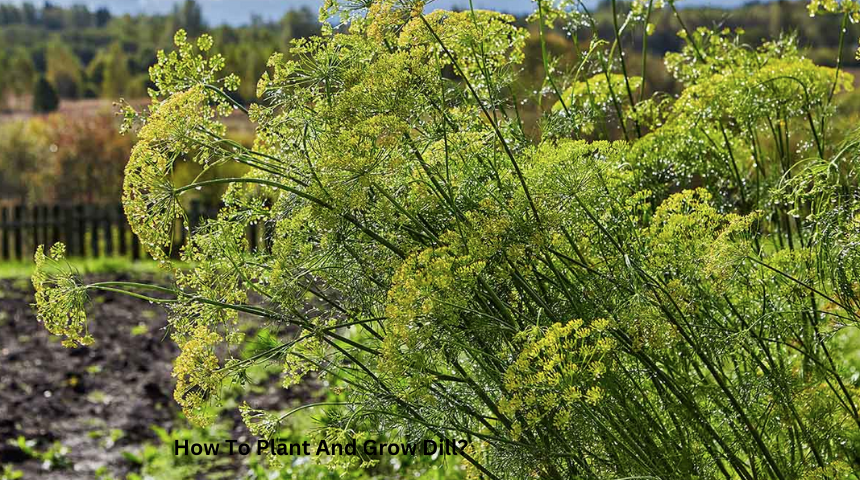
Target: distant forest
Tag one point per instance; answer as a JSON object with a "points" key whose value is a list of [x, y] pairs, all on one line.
{"points": [[88, 54]]}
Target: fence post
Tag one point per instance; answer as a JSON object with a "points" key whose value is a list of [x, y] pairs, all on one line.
{"points": [[121, 225], [34, 227], [69, 230], [93, 213], [107, 217], [45, 215], [42, 237], [18, 232], [81, 230], [135, 247], [46, 225], [4, 233], [56, 223]]}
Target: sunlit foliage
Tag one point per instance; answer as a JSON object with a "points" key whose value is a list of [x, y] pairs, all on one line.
{"points": [[670, 305]]}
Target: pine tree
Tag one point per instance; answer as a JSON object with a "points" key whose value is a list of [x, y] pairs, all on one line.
{"points": [[45, 98]]}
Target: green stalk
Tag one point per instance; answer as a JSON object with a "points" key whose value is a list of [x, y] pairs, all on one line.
{"points": [[690, 37], [645, 48], [489, 118], [624, 67], [547, 72], [843, 26]]}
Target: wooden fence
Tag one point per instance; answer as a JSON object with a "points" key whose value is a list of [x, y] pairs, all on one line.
{"points": [[90, 231]]}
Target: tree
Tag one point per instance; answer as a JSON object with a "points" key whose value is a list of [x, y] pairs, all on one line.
{"points": [[102, 17], [53, 17], [777, 18], [16, 75], [30, 14], [45, 97], [22, 72], [188, 17], [90, 157], [299, 23], [10, 15], [24, 171], [110, 74], [5, 77], [79, 16], [64, 70]]}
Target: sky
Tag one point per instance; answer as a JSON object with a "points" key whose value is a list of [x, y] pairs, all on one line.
{"points": [[237, 12]]}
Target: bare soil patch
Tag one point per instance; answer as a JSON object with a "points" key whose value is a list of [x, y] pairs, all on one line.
{"points": [[77, 396]]}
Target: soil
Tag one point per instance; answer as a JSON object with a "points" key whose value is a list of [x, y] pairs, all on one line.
{"points": [[49, 393]]}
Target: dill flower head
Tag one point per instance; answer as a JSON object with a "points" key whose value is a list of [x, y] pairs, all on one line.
{"points": [[639, 8], [500, 41], [386, 16], [179, 126], [60, 298], [183, 124], [428, 292], [214, 250], [848, 7], [196, 373], [149, 198], [556, 370], [690, 239], [187, 66]]}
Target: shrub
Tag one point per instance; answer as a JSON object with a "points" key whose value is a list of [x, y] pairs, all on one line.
{"points": [[64, 69], [45, 97], [89, 159], [23, 149], [669, 306], [54, 158]]}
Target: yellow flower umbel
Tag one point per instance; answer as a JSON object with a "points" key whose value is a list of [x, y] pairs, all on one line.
{"points": [[150, 199], [196, 375], [428, 292], [557, 370], [847, 7], [60, 298], [500, 41]]}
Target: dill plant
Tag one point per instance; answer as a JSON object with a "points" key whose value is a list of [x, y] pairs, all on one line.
{"points": [[670, 305]]}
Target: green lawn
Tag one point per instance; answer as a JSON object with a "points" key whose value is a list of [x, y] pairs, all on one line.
{"points": [[20, 269]]}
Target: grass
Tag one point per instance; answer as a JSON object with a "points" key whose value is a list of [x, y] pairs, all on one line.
{"points": [[109, 265]]}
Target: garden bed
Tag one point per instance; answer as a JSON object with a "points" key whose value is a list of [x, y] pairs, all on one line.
{"points": [[49, 393], [93, 403]]}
